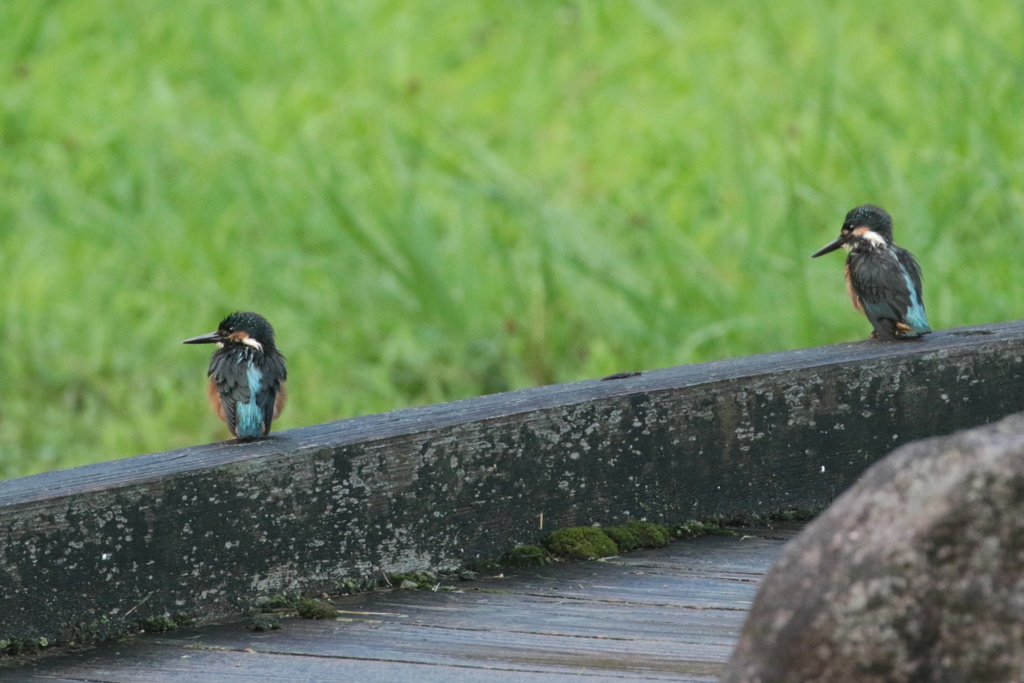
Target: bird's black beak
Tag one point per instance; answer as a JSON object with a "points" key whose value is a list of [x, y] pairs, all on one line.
{"points": [[211, 338], [830, 247]]}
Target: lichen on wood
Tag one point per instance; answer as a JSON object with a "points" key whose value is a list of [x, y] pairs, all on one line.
{"points": [[92, 552]]}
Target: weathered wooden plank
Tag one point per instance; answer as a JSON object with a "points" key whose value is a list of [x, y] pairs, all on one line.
{"points": [[650, 615], [86, 552], [245, 667]]}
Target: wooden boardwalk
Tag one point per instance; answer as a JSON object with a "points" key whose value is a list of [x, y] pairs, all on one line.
{"points": [[657, 615]]}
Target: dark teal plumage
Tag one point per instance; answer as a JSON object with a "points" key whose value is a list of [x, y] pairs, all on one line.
{"points": [[247, 374], [233, 368], [883, 279], [888, 282]]}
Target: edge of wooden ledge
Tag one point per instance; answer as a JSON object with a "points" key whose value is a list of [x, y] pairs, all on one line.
{"points": [[411, 420], [205, 530]]}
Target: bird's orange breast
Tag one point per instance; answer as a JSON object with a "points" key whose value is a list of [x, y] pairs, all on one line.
{"points": [[279, 400], [215, 400]]}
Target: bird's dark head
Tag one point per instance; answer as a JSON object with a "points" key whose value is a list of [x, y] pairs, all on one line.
{"points": [[867, 224], [250, 329]]}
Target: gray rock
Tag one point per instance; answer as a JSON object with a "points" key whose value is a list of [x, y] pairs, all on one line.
{"points": [[914, 574]]}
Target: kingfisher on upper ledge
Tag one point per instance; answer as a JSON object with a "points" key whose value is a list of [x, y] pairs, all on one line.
{"points": [[883, 280], [247, 374]]}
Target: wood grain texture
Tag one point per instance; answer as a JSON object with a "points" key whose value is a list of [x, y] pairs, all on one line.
{"points": [[87, 552], [671, 614]]}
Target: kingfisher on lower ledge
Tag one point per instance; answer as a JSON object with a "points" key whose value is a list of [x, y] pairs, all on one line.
{"points": [[247, 374], [882, 279]]}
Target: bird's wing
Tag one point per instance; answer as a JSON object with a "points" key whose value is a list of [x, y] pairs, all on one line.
{"points": [[878, 278], [915, 314], [909, 263], [271, 399], [232, 385]]}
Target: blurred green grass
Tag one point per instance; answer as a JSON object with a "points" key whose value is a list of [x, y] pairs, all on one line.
{"points": [[437, 200]]}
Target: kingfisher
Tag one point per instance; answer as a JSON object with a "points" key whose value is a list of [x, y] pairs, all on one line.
{"points": [[882, 279], [247, 374]]}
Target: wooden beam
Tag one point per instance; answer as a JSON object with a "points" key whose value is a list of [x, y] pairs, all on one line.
{"points": [[85, 553]]}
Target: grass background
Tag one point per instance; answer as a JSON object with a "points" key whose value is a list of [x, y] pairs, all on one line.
{"points": [[433, 200]]}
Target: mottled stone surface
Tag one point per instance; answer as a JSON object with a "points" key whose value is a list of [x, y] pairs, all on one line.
{"points": [[88, 552], [914, 574]]}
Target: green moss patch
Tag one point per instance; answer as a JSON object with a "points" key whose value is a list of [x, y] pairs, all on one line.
{"points": [[274, 602], [309, 608], [580, 543], [695, 528], [411, 580], [633, 535], [162, 623], [23, 646]]}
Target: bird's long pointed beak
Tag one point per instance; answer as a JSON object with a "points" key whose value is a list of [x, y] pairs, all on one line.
{"points": [[211, 338], [830, 247]]}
